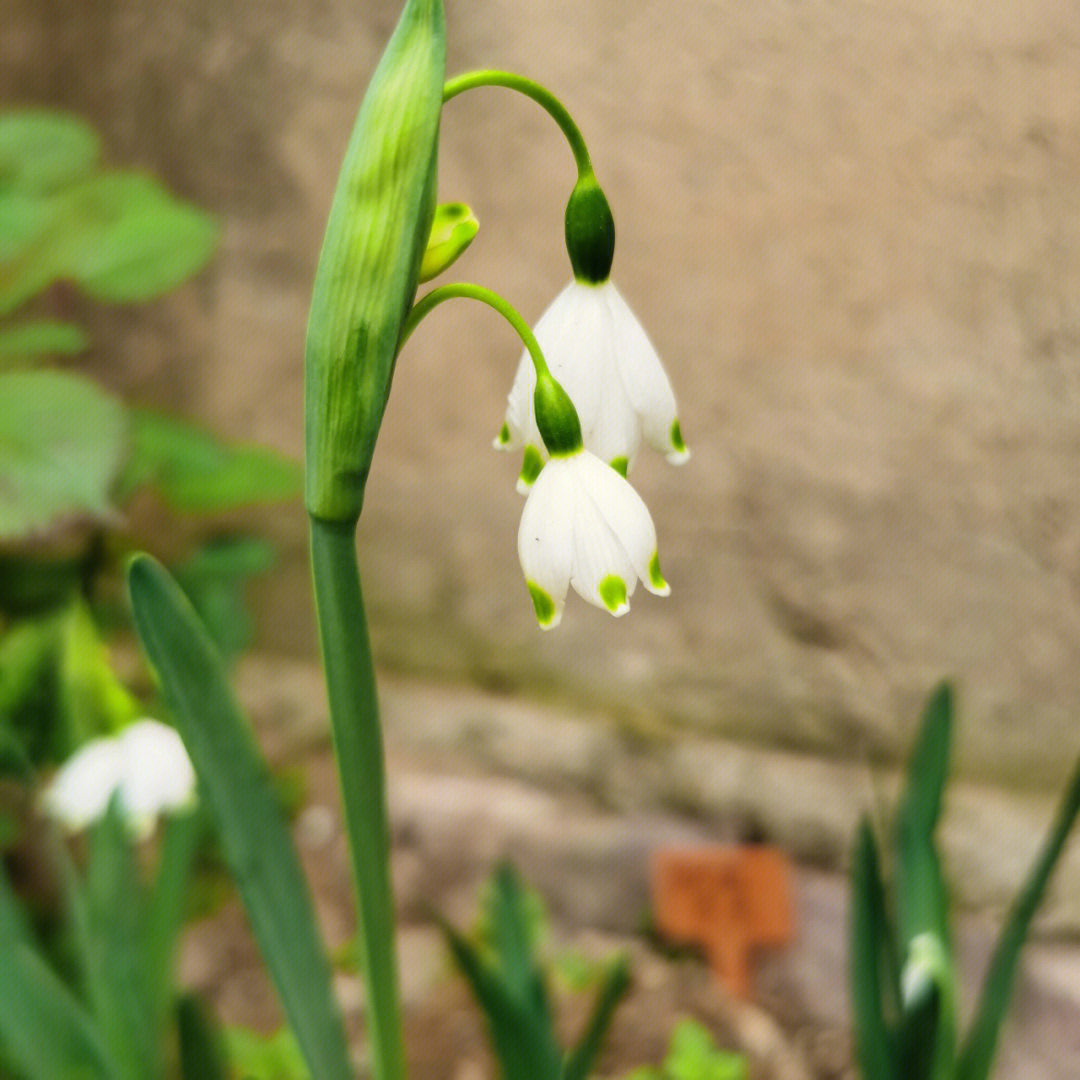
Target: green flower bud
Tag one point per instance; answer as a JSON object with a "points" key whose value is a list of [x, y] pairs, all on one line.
{"points": [[378, 229], [556, 418], [452, 232], [590, 232]]}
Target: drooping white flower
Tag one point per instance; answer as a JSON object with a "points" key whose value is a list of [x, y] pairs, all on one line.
{"points": [[584, 525], [145, 762], [598, 351]]}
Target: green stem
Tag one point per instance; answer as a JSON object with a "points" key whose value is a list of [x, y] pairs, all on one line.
{"points": [[468, 291], [358, 749], [540, 94]]}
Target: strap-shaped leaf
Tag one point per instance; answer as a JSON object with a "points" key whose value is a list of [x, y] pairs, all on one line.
{"points": [[44, 1031], [920, 891], [511, 927], [873, 974], [616, 982], [240, 793], [978, 1051]]}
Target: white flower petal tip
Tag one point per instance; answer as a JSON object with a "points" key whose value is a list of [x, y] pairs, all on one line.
{"points": [[548, 613], [655, 582], [678, 452], [502, 440], [145, 764], [531, 464], [584, 526]]}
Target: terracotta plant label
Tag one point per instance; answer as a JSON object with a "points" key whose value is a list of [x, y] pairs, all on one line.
{"points": [[730, 900]]}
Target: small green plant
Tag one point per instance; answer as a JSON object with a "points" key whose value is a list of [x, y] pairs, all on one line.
{"points": [[693, 1055], [903, 972], [500, 962]]}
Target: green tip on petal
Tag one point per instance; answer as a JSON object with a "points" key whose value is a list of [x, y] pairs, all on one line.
{"points": [[620, 465], [657, 584], [531, 464], [679, 451], [452, 231], [503, 438], [544, 606], [612, 591]]}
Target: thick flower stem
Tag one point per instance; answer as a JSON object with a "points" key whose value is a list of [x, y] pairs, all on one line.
{"points": [[540, 94], [358, 746]]}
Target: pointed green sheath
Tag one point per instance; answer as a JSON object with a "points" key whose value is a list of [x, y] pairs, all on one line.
{"points": [[378, 229]]}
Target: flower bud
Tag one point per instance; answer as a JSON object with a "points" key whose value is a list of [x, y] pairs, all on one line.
{"points": [[452, 232], [379, 226], [590, 232], [556, 417]]}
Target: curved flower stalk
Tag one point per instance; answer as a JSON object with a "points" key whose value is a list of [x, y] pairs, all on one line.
{"points": [[145, 764]]}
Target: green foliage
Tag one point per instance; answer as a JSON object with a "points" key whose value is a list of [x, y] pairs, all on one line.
{"points": [[510, 985], [903, 973], [270, 1057], [118, 1021], [248, 816], [693, 1055]]}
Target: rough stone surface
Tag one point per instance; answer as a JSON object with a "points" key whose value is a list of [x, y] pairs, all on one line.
{"points": [[851, 230]]}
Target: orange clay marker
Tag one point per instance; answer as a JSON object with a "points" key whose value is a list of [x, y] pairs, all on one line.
{"points": [[730, 900]]}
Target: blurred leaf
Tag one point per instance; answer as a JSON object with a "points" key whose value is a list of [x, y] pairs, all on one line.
{"points": [[202, 1045], [922, 906], [977, 1055], [130, 240], [34, 340], [62, 441], [215, 579], [240, 794], [120, 236], [33, 582], [265, 1057], [45, 1032], [93, 699], [613, 988], [693, 1055], [874, 980], [512, 918], [110, 914], [43, 151], [30, 721], [196, 472]]}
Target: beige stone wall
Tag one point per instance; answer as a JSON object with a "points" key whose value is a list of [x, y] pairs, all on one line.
{"points": [[853, 231]]}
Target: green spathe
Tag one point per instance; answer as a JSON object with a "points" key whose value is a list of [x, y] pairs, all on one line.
{"points": [[378, 229]]}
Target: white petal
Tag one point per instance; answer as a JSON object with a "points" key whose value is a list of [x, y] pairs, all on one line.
{"points": [[157, 773], [627, 517], [599, 555], [519, 407], [80, 791], [545, 536], [644, 378]]}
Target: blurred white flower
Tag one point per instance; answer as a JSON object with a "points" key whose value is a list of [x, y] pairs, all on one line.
{"points": [[599, 353], [584, 525], [145, 762]]}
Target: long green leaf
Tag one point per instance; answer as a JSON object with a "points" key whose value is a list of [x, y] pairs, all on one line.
{"points": [[44, 1031], [871, 974], [616, 982], [249, 818], [509, 916], [977, 1055], [921, 902], [202, 1049]]}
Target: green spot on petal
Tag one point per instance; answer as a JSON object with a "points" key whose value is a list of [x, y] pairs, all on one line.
{"points": [[531, 464], [656, 579], [612, 591], [620, 465], [542, 604], [676, 437], [503, 438]]}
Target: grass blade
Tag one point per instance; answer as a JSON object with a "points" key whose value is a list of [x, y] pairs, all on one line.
{"points": [[238, 788], [977, 1055], [616, 983], [873, 969]]}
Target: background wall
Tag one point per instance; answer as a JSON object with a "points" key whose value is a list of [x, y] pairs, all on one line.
{"points": [[853, 232]]}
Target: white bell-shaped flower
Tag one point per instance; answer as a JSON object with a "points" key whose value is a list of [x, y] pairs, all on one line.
{"points": [[585, 526], [598, 351], [145, 762]]}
